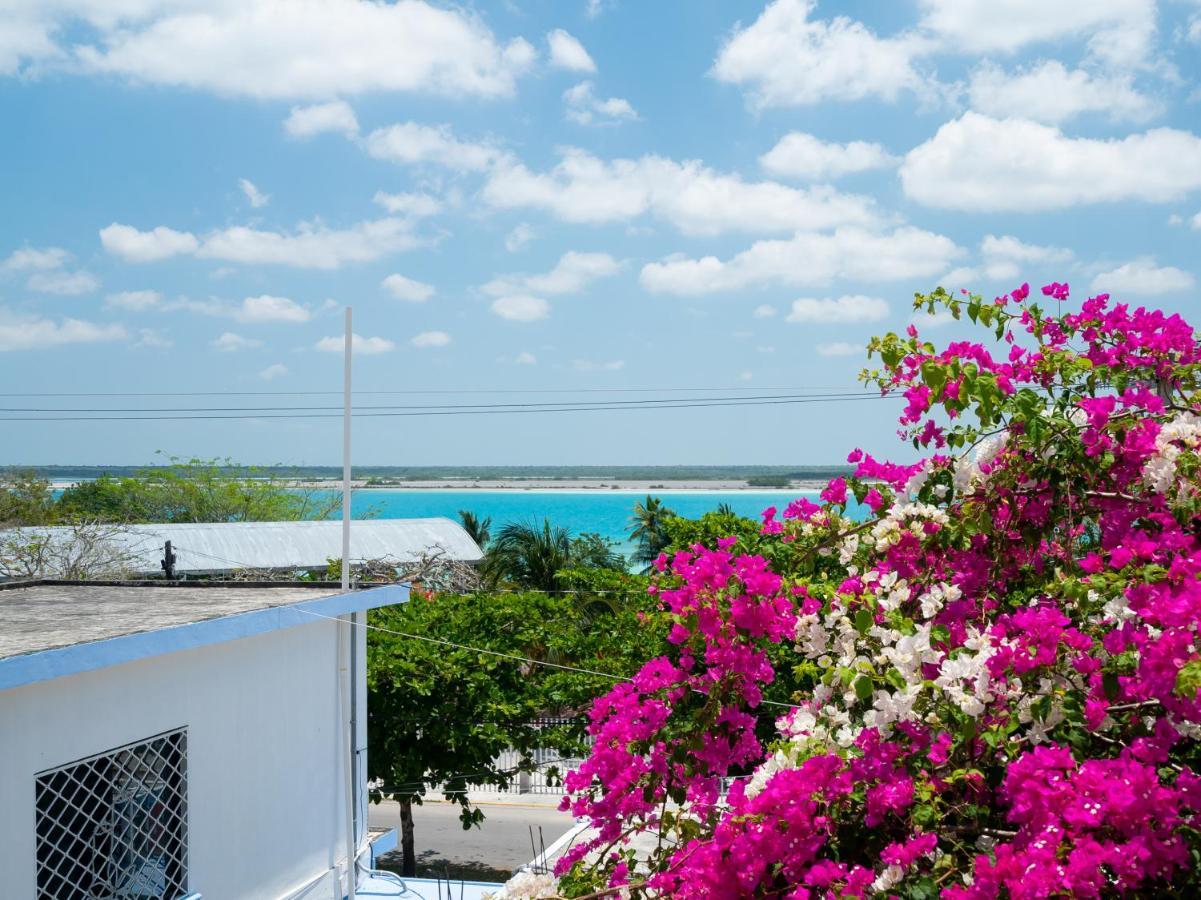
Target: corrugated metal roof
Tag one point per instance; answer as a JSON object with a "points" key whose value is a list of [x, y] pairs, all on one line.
{"points": [[222, 546]]}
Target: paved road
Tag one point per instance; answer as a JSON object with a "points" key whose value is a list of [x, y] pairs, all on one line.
{"points": [[487, 853]]}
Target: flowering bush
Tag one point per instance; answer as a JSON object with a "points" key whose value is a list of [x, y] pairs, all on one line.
{"points": [[989, 687]]}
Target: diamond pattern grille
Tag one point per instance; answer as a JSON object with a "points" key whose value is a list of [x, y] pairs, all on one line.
{"points": [[114, 826]]}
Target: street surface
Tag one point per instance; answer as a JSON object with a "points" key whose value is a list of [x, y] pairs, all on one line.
{"points": [[488, 853]]}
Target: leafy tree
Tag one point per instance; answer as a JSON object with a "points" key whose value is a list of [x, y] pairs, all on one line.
{"points": [[530, 555], [649, 530], [441, 715], [25, 498], [478, 529], [590, 550], [195, 490]]}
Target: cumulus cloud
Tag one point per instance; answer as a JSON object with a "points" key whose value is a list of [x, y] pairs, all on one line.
{"points": [[430, 339], [35, 259], [22, 332], [1051, 93], [785, 58], [589, 365], [134, 301], [1118, 30], [568, 53], [983, 164], [275, 49], [64, 283], [256, 197], [521, 308], [516, 239], [414, 206], [585, 108], [133, 245], [838, 310], [260, 310], [1004, 258], [839, 348], [273, 371], [572, 273], [808, 259], [689, 195], [361, 346], [1142, 277], [800, 155], [311, 246], [335, 117], [152, 339], [403, 288], [412, 143], [229, 342]]}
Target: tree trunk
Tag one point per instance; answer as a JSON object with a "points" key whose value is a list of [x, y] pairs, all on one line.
{"points": [[409, 864]]}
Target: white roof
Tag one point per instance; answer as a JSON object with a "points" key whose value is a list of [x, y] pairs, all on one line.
{"points": [[222, 546]]}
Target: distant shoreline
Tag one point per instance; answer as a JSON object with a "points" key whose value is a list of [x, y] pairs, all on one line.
{"points": [[556, 486]]}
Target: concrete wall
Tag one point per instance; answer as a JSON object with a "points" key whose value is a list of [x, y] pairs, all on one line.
{"points": [[266, 811]]}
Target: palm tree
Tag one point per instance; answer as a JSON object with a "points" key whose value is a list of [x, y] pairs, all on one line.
{"points": [[648, 530], [725, 509], [530, 555], [479, 530]]}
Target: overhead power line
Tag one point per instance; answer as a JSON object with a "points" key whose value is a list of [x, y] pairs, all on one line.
{"points": [[659, 390], [101, 415]]}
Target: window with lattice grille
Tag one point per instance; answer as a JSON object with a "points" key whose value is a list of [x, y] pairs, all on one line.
{"points": [[114, 826]]}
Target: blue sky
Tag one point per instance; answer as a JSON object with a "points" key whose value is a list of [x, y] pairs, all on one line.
{"points": [[598, 195]]}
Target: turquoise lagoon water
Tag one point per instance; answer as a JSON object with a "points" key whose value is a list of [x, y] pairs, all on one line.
{"points": [[606, 512]]}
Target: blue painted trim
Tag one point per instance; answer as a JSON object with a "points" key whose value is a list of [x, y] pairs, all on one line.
{"points": [[29, 668], [385, 843]]}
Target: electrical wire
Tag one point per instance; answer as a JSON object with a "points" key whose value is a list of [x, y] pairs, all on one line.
{"points": [[856, 395], [665, 390], [100, 417]]}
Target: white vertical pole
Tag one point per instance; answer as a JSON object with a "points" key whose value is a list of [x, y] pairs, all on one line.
{"points": [[346, 454], [352, 675]]}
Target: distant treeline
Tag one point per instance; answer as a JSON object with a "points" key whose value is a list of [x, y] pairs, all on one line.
{"points": [[482, 473]]}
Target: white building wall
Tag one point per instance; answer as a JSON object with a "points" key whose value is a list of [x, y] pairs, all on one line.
{"points": [[266, 810]]}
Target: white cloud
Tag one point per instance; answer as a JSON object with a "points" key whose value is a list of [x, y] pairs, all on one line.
{"points": [[311, 246], [568, 53], [1052, 94], [1142, 277], [765, 311], [809, 259], [64, 283], [1195, 221], [1004, 258], [521, 308], [133, 245], [979, 163], [572, 273], [266, 308], [1007, 247], [525, 358], [800, 155], [588, 365], [403, 288], [430, 339], [20, 332], [135, 301], [334, 117], [415, 206], [31, 258], [839, 348], [256, 197], [151, 339], [521, 235], [412, 143], [840, 310], [276, 49], [585, 108], [252, 310], [786, 59], [975, 26], [361, 346], [230, 342], [273, 371], [689, 195]]}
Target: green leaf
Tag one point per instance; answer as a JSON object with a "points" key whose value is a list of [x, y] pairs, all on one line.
{"points": [[864, 687]]}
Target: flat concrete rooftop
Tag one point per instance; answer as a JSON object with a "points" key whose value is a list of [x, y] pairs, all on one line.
{"points": [[48, 615]]}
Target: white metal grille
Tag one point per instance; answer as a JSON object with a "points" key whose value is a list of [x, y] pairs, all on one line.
{"points": [[114, 826]]}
